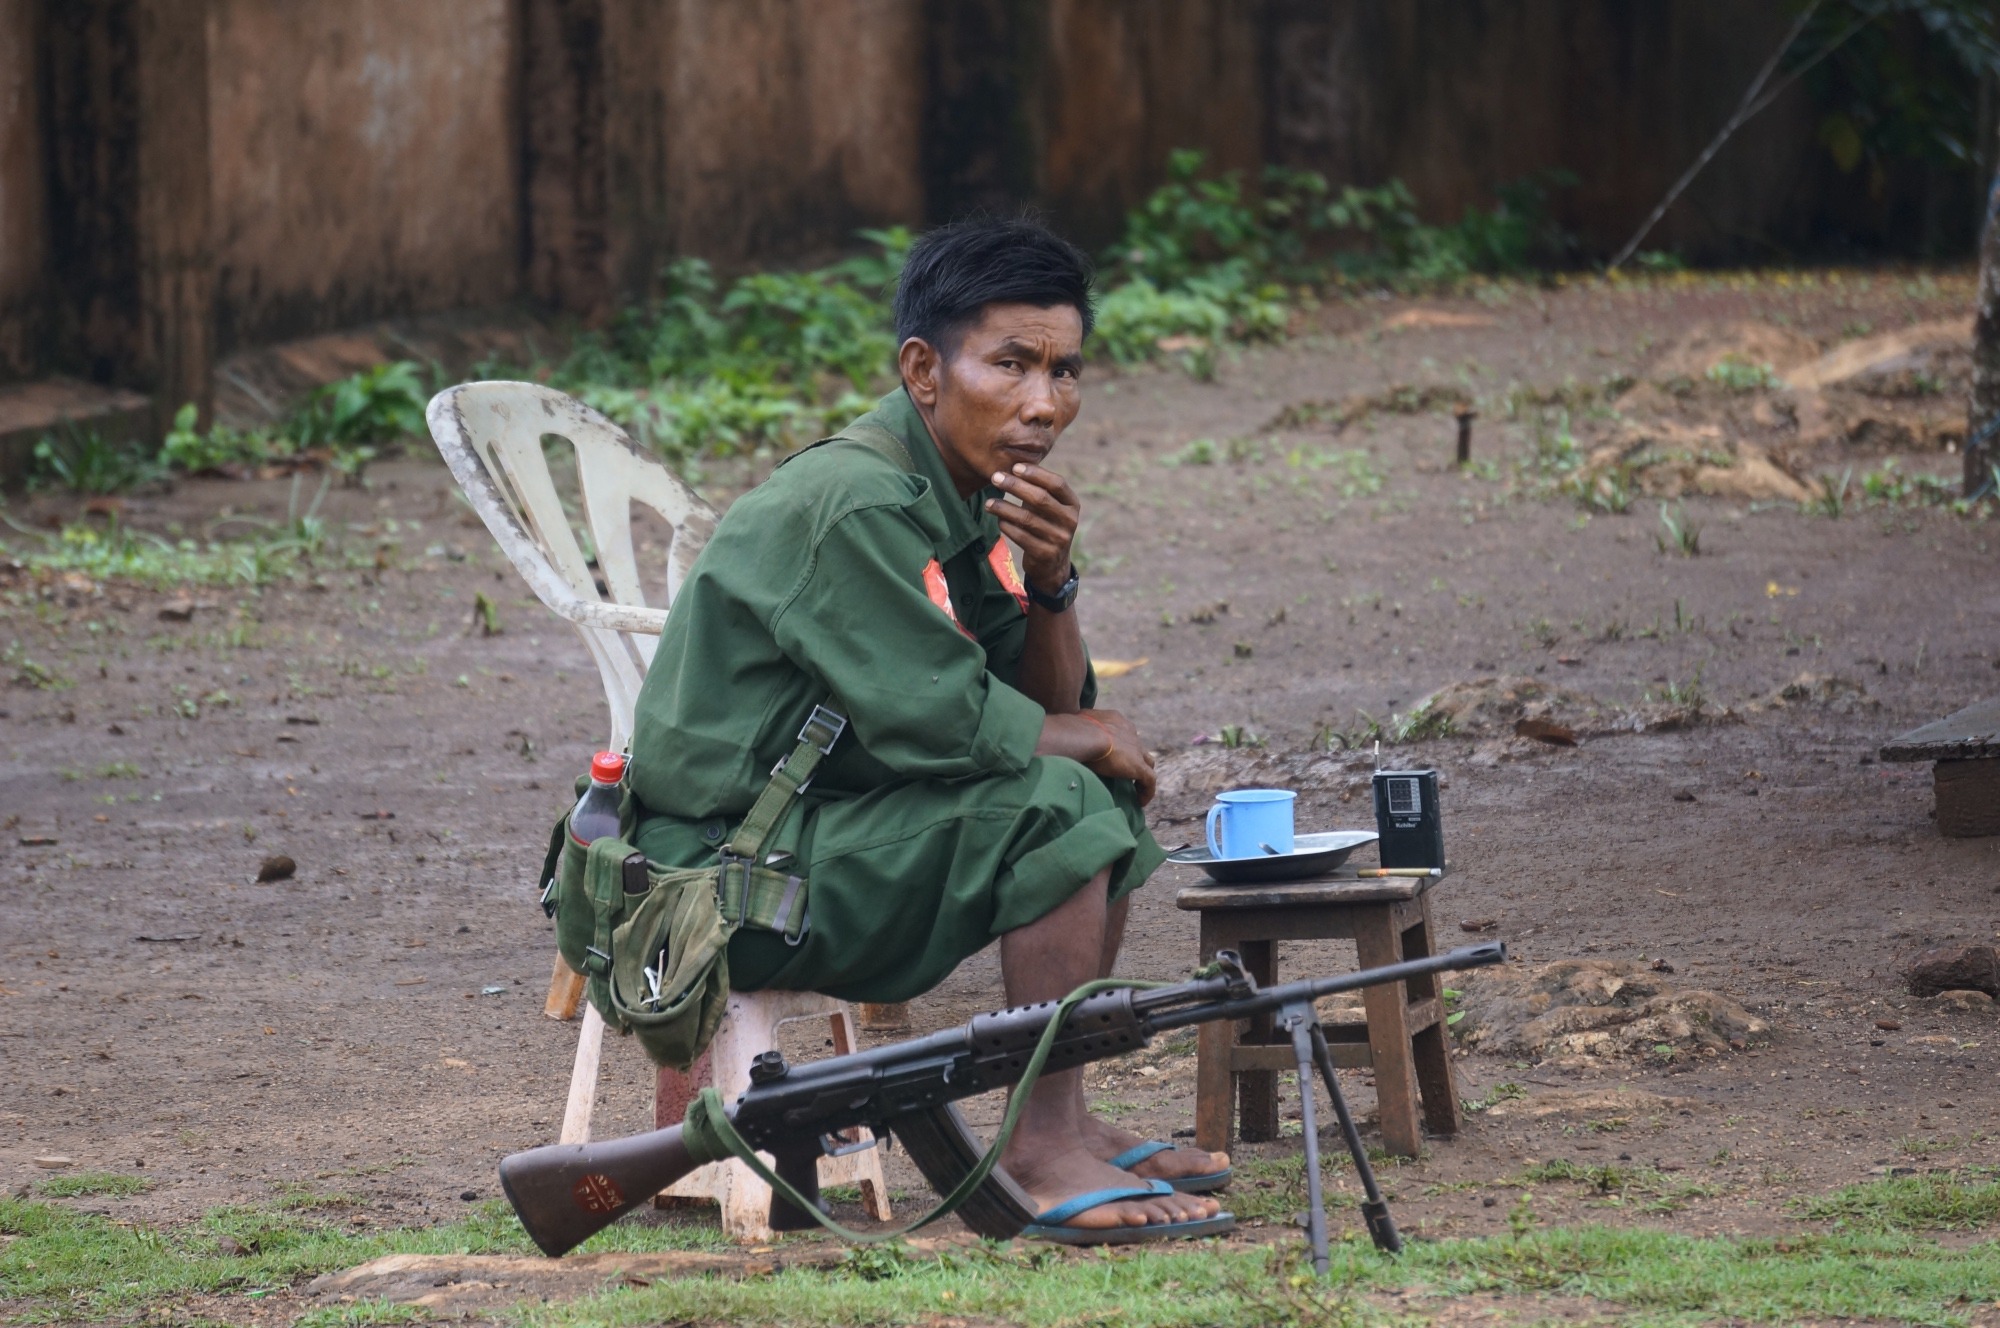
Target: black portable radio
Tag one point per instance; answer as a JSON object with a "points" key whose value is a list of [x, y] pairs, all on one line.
{"points": [[1407, 819]]}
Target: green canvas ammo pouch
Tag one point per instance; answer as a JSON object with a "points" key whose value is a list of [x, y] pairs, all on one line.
{"points": [[653, 942]]}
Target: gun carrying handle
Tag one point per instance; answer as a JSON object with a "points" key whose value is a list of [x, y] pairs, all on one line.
{"points": [[566, 1193]]}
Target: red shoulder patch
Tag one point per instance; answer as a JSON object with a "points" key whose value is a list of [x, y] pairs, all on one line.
{"points": [[940, 593], [1001, 559]]}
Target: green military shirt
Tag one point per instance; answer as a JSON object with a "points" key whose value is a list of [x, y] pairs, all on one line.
{"points": [[857, 573]]}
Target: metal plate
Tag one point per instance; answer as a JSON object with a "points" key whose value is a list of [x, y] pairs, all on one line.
{"points": [[1311, 855]]}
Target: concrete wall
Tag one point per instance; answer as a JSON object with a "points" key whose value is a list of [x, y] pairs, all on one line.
{"points": [[759, 127], [1456, 96], [364, 161], [23, 248], [179, 178], [1125, 82]]}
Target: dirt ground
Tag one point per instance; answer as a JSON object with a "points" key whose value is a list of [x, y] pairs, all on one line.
{"points": [[372, 1025]]}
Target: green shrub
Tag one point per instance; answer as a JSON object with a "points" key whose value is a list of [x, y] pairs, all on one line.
{"points": [[222, 448]]}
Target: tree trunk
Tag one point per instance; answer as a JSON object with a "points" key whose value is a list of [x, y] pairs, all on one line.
{"points": [[1982, 454]]}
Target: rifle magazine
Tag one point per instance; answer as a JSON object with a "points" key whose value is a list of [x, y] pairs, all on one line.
{"points": [[944, 1149]]}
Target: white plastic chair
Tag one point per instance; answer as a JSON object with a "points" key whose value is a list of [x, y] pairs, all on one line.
{"points": [[491, 435]]}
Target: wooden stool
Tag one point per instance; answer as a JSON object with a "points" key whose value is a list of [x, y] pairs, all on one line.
{"points": [[1403, 1038], [1966, 779]]}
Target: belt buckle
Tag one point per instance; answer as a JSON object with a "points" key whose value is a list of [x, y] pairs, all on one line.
{"points": [[832, 721], [726, 861]]}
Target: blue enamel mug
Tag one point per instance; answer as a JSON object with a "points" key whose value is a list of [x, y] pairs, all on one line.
{"points": [[1243, 822]]}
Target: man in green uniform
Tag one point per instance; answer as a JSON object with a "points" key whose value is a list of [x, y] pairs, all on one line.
{"points": [[977, 793]]}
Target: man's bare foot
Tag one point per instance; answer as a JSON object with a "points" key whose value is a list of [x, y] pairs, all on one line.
{"points": [[1107, 1141], [1054, 1171]]}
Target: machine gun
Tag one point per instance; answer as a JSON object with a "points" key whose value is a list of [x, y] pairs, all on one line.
{"points": [[564, 1193]]}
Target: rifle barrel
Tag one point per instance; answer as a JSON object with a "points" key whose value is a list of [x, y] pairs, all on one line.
{"points": [[1266, 999]]}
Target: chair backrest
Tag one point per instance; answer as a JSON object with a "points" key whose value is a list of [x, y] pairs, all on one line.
{"points": [[492, 437]]}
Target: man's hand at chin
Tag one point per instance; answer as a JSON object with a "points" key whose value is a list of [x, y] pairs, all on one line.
{"points": [[1044, 523]]}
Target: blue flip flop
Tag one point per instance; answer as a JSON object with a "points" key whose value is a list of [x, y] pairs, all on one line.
{"points": [[1138, 1153], [1049, 1225]]}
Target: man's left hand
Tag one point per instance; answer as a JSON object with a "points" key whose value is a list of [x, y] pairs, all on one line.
{"points": [[1044, 524]]}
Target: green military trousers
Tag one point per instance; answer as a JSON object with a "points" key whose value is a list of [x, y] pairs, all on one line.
{"points": [[909, 880]]}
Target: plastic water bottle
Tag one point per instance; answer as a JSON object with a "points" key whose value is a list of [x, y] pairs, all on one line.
{"points": [[596, 813]]}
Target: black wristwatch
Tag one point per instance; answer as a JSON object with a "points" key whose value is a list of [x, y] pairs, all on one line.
{"points": [[1064, 597]]}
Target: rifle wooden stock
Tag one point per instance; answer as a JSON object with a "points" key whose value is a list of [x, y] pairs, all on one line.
{"points": [[567, 1193]]}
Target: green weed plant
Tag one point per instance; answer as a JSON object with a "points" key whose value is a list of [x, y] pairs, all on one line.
{"points": [[84, 460]]}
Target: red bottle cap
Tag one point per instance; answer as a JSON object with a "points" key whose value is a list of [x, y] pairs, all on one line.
{"points": [[607, 767]]}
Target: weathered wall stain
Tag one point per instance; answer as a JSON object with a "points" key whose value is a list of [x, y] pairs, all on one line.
{"points": [[1125, 82], [760, 127], [1455, 97], [364, 161]]}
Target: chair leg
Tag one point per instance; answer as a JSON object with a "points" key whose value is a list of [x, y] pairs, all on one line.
{"points": [[751, 1026], [565, 991], [745, 1199], [583, 1079]]}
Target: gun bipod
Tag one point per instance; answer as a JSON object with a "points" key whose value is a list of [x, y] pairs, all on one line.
{"points": [[1301, 1019]]}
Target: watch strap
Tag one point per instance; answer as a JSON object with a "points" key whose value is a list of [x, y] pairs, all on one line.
{"points": [[1064, 597]]}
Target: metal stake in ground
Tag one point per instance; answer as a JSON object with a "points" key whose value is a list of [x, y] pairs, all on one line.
{"points": [[1465, 419]]}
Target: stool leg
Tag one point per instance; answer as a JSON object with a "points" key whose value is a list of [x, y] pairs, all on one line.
{"points": [[1257, 1090], [1431, 1049], [874, 1189], [1378, 941], [1214, 1086]]}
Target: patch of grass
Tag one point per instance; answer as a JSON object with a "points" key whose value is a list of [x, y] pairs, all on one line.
{"points": [[1889, 486], [1733, 373], [222, 449], [1365, 732], [1831, 500], [61, 1265], [81, 459], [87, 1183], [362, 1314], [57, 1263], [1555, 453], [1507, 1092], [25, 672], [1619, 1184], [1946, 1201], [1677, 533], [262, 552], [1689, 694], [1661, 1275], [1611, 492], [1423, 724], [1235, 736], [1199, 452]]}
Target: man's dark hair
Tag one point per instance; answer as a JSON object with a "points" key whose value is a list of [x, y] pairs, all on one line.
{"points": [[955, 271]]}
